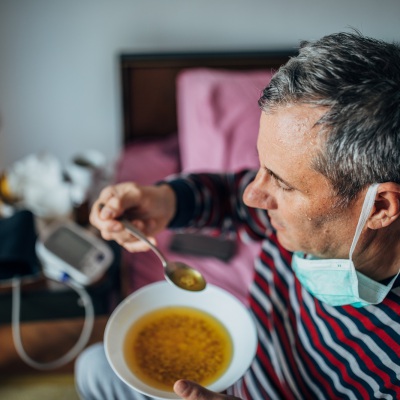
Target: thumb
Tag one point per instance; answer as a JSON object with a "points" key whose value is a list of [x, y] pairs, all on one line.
{"points": [[189, 390]]}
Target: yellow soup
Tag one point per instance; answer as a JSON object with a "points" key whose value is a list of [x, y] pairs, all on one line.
{"points": [[174, 343]]}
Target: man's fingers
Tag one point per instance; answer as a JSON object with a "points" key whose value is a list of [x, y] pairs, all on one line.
{"points": [[118, 197], [189, 390], [138, 246]]}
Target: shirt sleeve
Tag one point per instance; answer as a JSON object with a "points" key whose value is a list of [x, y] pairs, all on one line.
{"points": [[207, 200]]}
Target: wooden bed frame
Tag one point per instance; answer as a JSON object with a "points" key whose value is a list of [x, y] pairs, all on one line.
{"points": [[148, 85]]}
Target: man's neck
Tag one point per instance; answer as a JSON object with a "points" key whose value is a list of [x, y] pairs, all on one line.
{"points": [[379, 257]]}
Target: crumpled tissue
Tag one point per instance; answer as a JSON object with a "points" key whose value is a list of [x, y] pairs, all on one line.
{"points": [[38, 183]]}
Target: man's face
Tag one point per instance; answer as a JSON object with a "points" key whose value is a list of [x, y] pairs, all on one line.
{"points": [[300, 201]]}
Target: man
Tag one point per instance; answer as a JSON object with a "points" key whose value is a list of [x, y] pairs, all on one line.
{"points": [[326, 203]]}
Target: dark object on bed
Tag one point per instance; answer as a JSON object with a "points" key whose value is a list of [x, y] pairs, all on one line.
{"points": [[203, 245], [148, 85]]}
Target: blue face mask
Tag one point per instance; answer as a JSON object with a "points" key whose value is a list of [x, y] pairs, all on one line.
{"points": [[336, 282]]}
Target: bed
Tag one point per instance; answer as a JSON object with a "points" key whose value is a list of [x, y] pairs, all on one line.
{"points": [[192, 112], [144, 75]]}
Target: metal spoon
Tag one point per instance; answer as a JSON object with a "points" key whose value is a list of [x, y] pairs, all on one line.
{"points": [[175, 272]]}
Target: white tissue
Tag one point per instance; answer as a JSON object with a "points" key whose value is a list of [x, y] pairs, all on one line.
{"points": [[37, 181]]}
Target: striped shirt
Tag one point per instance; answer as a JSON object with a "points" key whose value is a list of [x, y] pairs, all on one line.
{"points": [[307, 349]]}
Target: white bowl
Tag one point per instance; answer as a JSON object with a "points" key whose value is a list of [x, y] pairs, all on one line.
{"points": [[213, 300]]}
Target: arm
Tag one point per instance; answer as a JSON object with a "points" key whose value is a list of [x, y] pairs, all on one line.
{"points": [[216, 200], [195, 200]]}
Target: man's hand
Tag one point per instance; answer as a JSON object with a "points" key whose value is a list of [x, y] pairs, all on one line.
{"points": [[192, 391], [149, 208]]}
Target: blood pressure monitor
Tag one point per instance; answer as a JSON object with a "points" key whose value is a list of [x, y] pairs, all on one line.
{"points": [[68, 251], [75, 257]]}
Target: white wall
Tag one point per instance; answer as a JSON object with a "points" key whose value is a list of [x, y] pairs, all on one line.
{"points": [[59, 83]]}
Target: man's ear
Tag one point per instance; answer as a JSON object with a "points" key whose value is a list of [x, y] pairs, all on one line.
{"points": [[387, 206]]}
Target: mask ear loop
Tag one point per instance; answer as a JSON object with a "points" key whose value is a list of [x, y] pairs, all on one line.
{"points": [[365, 211]]}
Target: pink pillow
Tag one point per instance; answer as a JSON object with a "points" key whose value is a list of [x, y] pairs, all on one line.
{"points": [[218, 118]]}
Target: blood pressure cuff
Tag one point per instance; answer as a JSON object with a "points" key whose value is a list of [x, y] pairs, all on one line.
{"points": [[17, 246]]}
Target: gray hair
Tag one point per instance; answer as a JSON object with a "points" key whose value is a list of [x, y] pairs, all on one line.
{"points": [[358, 79]]}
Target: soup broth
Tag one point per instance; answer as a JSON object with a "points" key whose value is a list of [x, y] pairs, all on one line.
{"points": [[174, 343]]}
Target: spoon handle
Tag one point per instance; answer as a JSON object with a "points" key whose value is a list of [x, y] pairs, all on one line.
{"points": [[139, 235]]}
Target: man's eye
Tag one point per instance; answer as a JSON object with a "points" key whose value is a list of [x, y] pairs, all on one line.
{"points": [[282, 186]]}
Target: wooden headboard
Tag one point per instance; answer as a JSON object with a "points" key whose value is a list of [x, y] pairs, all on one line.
{"points": [[148, 85]]}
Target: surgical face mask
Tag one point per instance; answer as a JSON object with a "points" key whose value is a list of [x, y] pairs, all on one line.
{"points": [[336, 282]]}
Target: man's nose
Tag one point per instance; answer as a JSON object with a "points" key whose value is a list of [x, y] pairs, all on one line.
{"points": [[257, 194]]}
